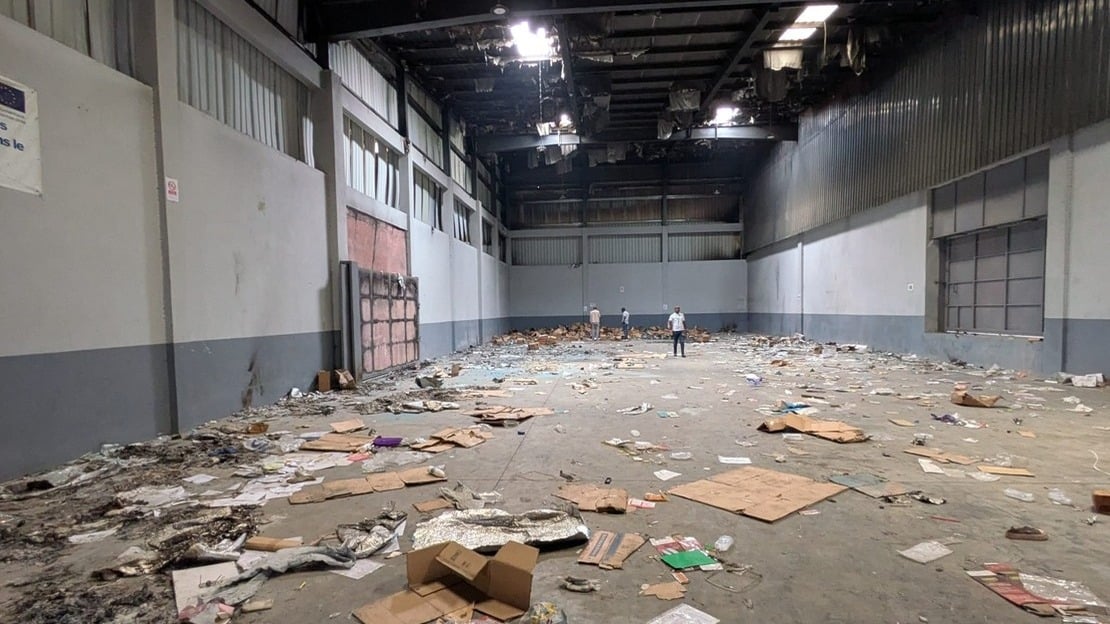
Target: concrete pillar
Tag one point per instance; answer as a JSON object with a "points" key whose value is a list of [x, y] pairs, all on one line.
{"points": [[327, 123]]}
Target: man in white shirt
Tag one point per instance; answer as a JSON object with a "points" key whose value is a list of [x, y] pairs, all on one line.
{"points": [[625, 320], [677, 323], [595, 323]]}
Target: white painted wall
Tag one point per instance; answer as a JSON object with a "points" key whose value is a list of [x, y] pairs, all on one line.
{"points": [[248, 241], [82, 265], [545, 291], [464, 281], [775, 281], [865, 265], [642, 283], [431, 264], [495, 288], [718, 286], [1088, 290]]}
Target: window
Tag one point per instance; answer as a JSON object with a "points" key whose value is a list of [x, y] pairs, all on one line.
{"points": [[365, 81], [462, 222], [425, 135], [995, 280], [503, 247], [372, 168], [223, 75], [991, 230], [427, 200], [99, 28], [487, 237]]}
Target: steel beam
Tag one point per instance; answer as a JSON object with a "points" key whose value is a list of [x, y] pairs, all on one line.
{"points": [[509, 143], [345, 19], [741, 52]]}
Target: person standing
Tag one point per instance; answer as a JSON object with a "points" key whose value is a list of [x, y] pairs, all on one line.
{"points": [[625, 321], [595, 323], [677, 323]]}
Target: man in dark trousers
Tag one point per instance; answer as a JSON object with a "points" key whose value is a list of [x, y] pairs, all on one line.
{"points": [[677, 323]]}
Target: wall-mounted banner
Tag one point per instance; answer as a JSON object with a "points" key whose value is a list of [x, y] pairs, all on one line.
{"points": [[20, 155]]}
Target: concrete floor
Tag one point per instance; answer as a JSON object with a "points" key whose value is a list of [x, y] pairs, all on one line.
{"points": [[840, 565]]}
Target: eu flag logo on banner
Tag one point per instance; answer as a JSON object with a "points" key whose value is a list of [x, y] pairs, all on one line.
{"points": [[13, 98]]}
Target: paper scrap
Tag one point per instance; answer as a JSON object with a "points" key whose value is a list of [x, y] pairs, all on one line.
{"points": [[666, 475], [361, 568], [672, 590], [684, 614], [929, 466], [926, 552], [734, 460], [1003, 470], [199, 479]]}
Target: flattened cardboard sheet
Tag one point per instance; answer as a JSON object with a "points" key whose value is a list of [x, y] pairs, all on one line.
{"points": [[759, 493], [609, 550]]}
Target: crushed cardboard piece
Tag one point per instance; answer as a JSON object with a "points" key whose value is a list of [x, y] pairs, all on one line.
{"points": [[433, 446], [680, 577], [1003, 470], [338, 442], [655, 497], [759, 493], [672, 590], [465, 438], [447, 577], [258, 604], [939, 455], [272, 544], [323, 381], [376, 482], [347, 426], [961, 397], [434, 504], [902, 423], [345, 379], [1027, 434], [609, 550], [498, 414], [595, 498], [929, 467], [827, 429], [1100, 500], [871, 485]]}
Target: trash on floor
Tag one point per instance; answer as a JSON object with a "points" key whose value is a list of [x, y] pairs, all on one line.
{"points": [[642, 408], [672, 590], [595, 498], [926, 552], [448, 576], [721, 459], [666, 475], [339, 442], [272, 544], [684, 614], [347, 426], [869, 484], [540, 613], [962, 397], [1042, 595], [483, 529], [1006, 471], [373, 535], [1026, 533], [759, 493], [940, 456], [1094, 380], [500, 414], [580, 585], [609, 550], [827, 429], [377, 482], [902, 423]]}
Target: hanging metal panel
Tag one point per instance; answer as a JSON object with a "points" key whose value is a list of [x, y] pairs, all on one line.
{"points": [[554, 251], [1016, 76], [703, 246], [364, 80], [621, 248]]}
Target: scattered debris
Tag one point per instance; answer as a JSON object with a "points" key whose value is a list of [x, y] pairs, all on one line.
{"points": [[642, 408], [763, 494], [672, 590], [1018, 495], [1095, 380], [609, 550], [501, 414], [827, 429], [926, 552], [594, 498], [1042, 595], [1006, 471], [483, 529], [869, 484], [666, 475], [580, 585], [684, 614], [961, 397], [1027, 533]]}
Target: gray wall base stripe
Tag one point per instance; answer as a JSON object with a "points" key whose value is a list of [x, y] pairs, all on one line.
{"points": [[218, 377], [710, 321], [58, 406]]}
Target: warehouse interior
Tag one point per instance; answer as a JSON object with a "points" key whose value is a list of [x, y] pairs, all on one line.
{"points": [[206, 203]]}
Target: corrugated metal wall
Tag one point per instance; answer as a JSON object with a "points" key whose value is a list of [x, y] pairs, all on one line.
{"points": [[222, 74], [364, 80], [1017, 76], [703, 246], [626, 248], [560, 250]]}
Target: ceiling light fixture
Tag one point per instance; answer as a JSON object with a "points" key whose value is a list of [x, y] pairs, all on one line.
{"points": [[499, 9], [564, 120], [724, 115], [532, 46], [797, 34], [816, 14]]}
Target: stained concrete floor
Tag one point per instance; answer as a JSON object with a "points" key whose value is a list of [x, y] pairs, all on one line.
{"points": [[839, 565]]}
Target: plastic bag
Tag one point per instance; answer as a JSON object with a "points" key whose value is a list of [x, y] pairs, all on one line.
{"points": [[544, 613]]}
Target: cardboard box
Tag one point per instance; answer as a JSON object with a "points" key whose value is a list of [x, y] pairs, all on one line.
{"points": [[448, 577], [323, 381]]}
